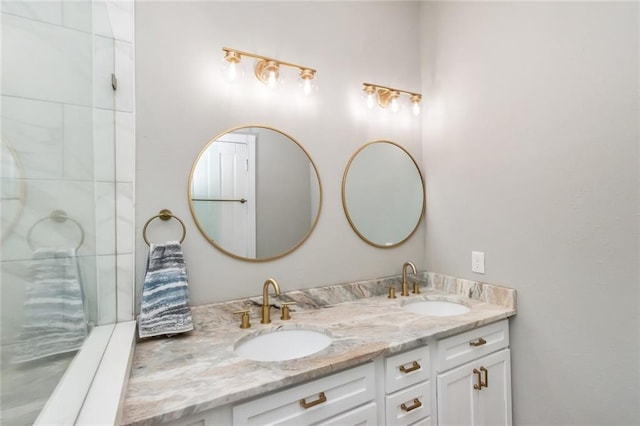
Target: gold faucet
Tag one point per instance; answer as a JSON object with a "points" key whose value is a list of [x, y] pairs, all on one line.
{"points": [[266, 308], [405, 286]]}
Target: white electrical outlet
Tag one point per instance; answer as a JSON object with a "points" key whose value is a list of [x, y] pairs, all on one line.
{"points": [[477, 261]]}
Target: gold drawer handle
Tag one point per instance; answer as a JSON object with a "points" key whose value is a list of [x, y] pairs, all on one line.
{"points": [[480, 342], [415, 366], [321, 398], [486, 377], [478, 386], [416, 404], [480, 383]]}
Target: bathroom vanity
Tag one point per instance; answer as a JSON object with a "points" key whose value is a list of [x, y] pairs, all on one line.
{"points": [[385, 364]]}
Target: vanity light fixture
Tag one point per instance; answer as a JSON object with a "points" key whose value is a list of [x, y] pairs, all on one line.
{"points": [[388, 97], [267, 69]]}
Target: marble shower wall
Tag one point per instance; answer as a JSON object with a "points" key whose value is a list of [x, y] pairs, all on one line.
{"points": [[72, 139]]}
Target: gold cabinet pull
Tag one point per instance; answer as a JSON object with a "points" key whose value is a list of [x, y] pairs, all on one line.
{"points": [[479, 342], [478, 386], [486, 377], [415, 366], [416, 404], [321, 398]]}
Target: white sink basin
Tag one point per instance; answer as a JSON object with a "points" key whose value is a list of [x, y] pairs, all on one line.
{"points": [[437, 308], [282, 345]]}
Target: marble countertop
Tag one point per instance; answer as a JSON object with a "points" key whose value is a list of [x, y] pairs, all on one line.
{"points": [[185, 374]]}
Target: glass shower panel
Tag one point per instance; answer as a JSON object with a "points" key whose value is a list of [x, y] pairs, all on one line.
{"points": [[57, 210]]}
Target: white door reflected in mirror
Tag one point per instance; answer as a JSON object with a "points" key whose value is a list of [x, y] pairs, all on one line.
{"points": [[254, 193]]}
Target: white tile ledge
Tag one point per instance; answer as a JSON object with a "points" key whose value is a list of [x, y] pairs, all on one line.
{"points": [[83, 397], [103, 404]]}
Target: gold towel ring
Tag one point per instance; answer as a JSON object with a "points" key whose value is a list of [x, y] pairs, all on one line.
{"points": [[165, 214], [58, 216]]}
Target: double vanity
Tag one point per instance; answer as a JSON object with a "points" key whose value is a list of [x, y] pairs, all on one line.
{"points": [[348, 354]]}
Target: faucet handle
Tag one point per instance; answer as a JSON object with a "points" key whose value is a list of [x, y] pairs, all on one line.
{"points": [[286, 312], [416, 288], [245, 323], [392, 292]]}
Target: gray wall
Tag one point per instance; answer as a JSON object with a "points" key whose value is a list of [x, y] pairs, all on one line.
{"points": [[182, 102], [283, 206], [531, 155]]}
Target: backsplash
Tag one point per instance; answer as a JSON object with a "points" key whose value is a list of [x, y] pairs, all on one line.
{"points": [[320, 297]]}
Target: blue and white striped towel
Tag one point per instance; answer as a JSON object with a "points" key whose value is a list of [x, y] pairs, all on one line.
{"points": [[165, 292], [55, 321]]}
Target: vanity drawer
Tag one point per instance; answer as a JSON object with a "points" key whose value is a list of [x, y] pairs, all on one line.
{"points": [[406, 369], [324, 398], [361, 416], [464, 347], [417, 405]]}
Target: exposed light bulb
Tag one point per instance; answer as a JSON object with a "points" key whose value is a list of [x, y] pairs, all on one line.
{"points": [[232, 66], [371, 100], [370, 95], [232, 71], [415, 104], [395, 105], [272, 79], [306, 86], [308, 81]]}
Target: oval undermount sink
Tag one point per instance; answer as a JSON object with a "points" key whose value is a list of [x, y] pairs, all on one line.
{"points": [[282, 345], [437, 308]]}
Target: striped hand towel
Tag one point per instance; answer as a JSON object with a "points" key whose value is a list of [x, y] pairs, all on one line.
{"points": [[165, 292], [54, 314]]}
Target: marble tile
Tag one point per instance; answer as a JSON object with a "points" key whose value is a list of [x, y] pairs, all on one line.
{"points": [[47, 11], [125, 287], [77, 15], [125, 146], [101, 21], [197, 371], [490, 293], [44, 61], [106, 290], [104, 144], [122, 20], [124, 72], [103, 67], [125, 218], [15, 276], [89, 274], [105, 218], [35, 131], [43, 196], [78, 143]]}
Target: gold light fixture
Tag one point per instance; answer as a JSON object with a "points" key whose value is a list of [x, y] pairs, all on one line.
{"points": [[388, 97], [267, 69]]}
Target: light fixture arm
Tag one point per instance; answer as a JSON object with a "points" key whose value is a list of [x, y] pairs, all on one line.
{"points": [[388, 96], [386, 90], [302, 68]]}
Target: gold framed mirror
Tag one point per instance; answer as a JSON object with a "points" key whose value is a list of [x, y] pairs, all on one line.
{"points": [[255, 193], [383, 194]]}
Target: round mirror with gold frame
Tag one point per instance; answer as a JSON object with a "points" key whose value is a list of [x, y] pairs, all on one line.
{"points": [[383, 194], [255, 193]]}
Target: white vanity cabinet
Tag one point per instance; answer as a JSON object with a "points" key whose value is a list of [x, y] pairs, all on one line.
{"points": [[408, 388], [474, 377], [342, 398], [464, 379]]}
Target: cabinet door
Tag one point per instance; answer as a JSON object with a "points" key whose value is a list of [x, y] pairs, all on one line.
{"points": [[460, 403]]}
